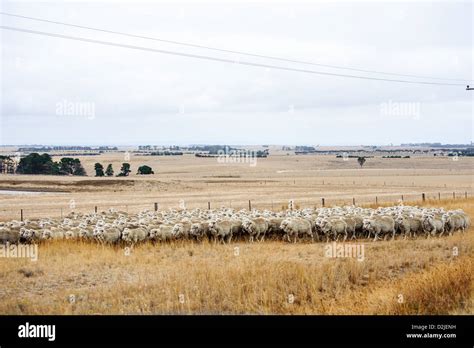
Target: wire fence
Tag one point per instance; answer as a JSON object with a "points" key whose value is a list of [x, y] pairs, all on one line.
{"points": [[62, 209]]}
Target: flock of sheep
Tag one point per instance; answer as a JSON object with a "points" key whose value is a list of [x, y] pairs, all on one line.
{"points": [[223, 225]]}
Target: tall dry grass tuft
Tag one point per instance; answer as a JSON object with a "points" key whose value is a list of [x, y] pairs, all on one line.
{"points": [[444, 288]]}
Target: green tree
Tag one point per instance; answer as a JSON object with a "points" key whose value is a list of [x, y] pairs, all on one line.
{"points": [[145, 170], [109, 171], [79, 170], [99, 169], [71, 166], [34, 163], [125, 169], [361, 161]]}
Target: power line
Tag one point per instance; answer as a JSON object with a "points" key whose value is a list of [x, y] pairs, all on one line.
{"points": [[224, 60], [229, 51]]}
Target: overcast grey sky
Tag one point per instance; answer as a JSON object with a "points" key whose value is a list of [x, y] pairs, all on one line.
{"points": [[57, 91]]}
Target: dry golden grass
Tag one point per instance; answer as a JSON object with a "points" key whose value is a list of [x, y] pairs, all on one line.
{"points": [[192, 278]]}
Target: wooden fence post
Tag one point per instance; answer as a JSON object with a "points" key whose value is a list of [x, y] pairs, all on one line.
{"points": [[156, 206], [95, 209], [454, 195], [465, 194], [322, 202], [402, 198], [21, 214], [439, 196], [353, 201], [423, 197], [376, 200], [250, 205], [208, 205]]}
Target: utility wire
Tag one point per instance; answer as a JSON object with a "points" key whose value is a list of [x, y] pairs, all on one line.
{"points": [[229, 51], [224, 60]]}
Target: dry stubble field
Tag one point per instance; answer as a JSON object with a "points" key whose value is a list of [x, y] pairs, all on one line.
{"points": [[272, 277], [269, 184]]}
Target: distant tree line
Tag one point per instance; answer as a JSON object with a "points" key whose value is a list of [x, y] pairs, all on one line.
{"points": [[166, 153], [305, 149], [155, 147], [468, 153], [213, 149], [395, 156], [352, 156], [67, 148]]}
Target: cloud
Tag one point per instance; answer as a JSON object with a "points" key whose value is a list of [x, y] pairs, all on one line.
{"points": [[140, 95]]}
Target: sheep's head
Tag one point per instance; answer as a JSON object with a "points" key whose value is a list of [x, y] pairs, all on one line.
{"points": [[399, 219], [82, 233], [285, 224], [98, 232], [427, 222], [47, 234], [195, 229], [326, 227], [178, 230], [153, 233], [367, 223], [213, 226], [126, 234], [23, 232], [247, 225]]}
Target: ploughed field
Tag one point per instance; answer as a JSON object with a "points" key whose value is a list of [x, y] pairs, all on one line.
{"points": [[427, 270]]}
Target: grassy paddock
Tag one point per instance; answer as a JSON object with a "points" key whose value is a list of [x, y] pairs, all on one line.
{"points": [[272, 277]]}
